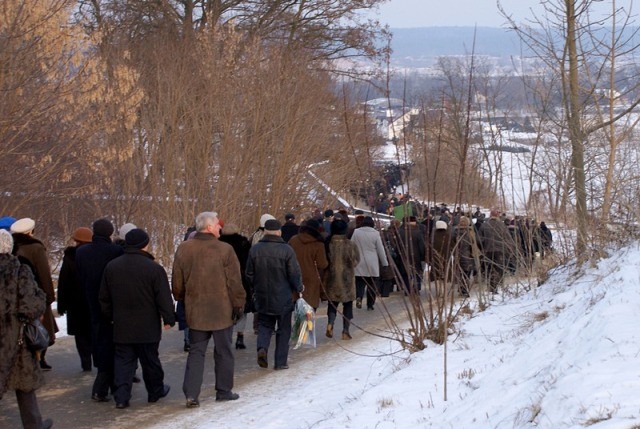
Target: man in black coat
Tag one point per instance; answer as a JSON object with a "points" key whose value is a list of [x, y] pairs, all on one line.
{"points": [[72, 299], [135, 294], [275, 274], [91, 259], [290, 228]]}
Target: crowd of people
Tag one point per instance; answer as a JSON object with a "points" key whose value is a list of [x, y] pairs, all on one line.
{"points": [[117, 299]]}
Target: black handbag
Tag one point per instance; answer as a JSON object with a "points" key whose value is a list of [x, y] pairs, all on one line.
{"points": [[34, 335]]}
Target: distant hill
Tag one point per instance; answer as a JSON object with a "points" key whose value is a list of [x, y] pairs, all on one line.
{"points": [[416, 46]]}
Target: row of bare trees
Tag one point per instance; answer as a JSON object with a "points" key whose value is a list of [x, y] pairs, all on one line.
{"points": [[149, 112]]}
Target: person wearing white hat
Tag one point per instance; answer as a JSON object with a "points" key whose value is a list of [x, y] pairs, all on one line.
{"points": [[20, 295], [259, 233], [32, 252]]}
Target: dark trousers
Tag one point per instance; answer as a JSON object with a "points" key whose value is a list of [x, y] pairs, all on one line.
{"points": [[223, 359], [103, 357], [83, 345], [29, 410], [103, 383], [125, 363], [347, 313], [370, 284], [266, 325], [494, 266]]}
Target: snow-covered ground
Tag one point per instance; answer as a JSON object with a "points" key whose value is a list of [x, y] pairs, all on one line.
{"points": [[562, 356]]}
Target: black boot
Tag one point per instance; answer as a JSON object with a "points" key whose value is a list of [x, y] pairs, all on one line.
{"points": [[240, 342]]}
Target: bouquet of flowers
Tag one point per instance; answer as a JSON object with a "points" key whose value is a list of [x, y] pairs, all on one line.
{"points": [[303, 332]]}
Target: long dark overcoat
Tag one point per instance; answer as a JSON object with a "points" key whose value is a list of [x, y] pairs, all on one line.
{"points": [[135, 295], [72, 299]]}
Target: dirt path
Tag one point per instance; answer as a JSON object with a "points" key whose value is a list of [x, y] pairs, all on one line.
{"points": [[66, 396]]}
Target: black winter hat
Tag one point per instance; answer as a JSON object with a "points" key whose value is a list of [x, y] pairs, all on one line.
{"points": [[313, 224], [339, 227], [103, 228], [328, 213], [289, 216], [136, 238], [272, 225]]}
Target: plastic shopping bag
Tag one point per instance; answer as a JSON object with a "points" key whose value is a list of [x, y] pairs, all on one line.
{"points": [[303, 332]]}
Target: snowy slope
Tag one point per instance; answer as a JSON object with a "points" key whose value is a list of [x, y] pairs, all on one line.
{"points": [[562, 356]]}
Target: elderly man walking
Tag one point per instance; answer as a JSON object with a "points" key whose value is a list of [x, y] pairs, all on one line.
{"points": [[135, 295], [274, 271], [206, 276]]}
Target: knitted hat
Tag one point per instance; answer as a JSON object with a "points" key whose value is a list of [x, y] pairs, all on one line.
{"points": [[6, 241], [6, 222], [82, 235], [103, 228], [441, 225], [124, 229], [339, 227], [137, 238], [313, 224], [264, 218], [23, 226], [272, 225]]}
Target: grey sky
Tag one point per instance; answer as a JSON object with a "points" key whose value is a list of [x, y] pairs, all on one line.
{"points": [[428, 13]]}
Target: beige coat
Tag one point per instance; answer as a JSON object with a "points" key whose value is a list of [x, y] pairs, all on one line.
{"points": [[206, 275]]}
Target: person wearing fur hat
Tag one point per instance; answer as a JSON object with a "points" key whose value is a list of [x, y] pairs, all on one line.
{"points": [[72, 300], [231, 235], [309, 247], [91, 259], [32, 252], [135, 296], [20, 298], [340, 278]]}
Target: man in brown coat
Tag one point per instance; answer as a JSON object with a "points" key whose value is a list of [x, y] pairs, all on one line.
{"points": [[309, 247], [206, 275], [497, 245]]}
